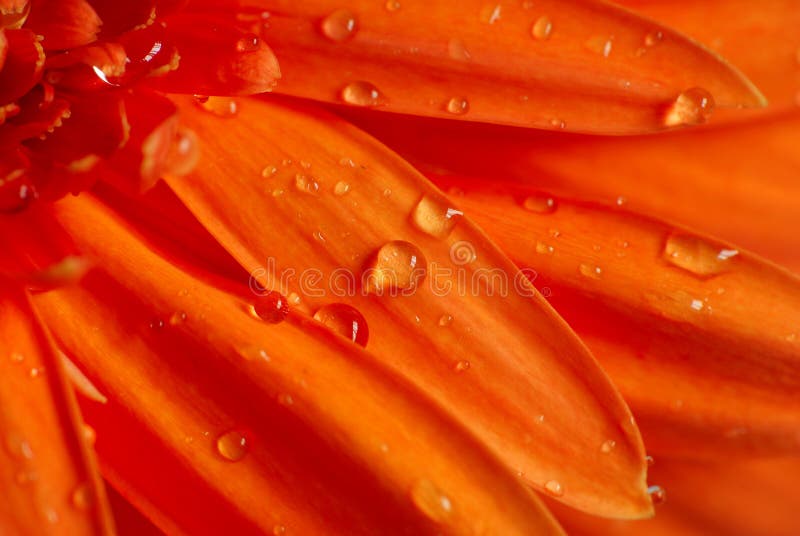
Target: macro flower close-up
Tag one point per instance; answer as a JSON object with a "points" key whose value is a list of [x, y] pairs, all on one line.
{"points": [[490, 267]]}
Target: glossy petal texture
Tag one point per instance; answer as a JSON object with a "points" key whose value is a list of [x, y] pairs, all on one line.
{"points": [[762, 42], [63, 23], [48, 479], [592, 68], [737, 183], [671, 316], [382, 454], [306, 212], [752, 498]]}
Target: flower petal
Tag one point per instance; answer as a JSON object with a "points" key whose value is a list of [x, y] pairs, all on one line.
{"points": [[63, 24], [24, 60], [47, 474], [316, 196], [312, 459], [582, 66], [671, 317]]}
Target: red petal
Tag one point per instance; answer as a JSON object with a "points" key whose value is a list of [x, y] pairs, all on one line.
{"points": [[23, 65], [63, 23]]}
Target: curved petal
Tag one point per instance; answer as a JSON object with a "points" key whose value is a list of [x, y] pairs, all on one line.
{"points": [[703, 340], [48, 478], [582, 66], [302, 457], [307, 210], [63, 23]]}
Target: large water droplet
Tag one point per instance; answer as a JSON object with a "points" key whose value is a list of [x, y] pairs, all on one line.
{"points": [[554, 488], [697, 255], [692, 107], [272, 307], [430, 500], [232, 445], [542, 28], [345, 320], [434, 216], [398, 265], [539, 203], [361, 93], [657, 494], [458, 106], [339, 26]]}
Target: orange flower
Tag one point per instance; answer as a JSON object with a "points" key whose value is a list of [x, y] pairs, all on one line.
{"points": [[275, 324]]}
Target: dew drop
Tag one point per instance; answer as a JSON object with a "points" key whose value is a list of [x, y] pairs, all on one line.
{"points": [[347, 162], [269, 171], [232, 445], [430, 500], [184, 153], [272, 307], [542, 28], [692, 107], [341, 188], [219, 106], [254, 353], [490, 13], [601, 45], [458, 50], [696, 255], [445, 320], [657, 494], [544, 249], [462, 366], [345, 320], [361, 94], [434, 217], [397, 265], [653, 38], [649, 460], [82, 497], [608, 446], [697, 305], [306, 184], [177, 318], [554, 488], [278, 530], [539, 203], [248, 43], [590, 271], [339, 26], [458, 106], [392, 5]]}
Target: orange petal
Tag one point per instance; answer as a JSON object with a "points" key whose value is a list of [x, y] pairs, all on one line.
{"points": [[582, 66], [314, 204], [751, 498], [130, 522], [305, 455], [701, 338], [763, 42], [63, 23], [738, 183], [47, 475]]}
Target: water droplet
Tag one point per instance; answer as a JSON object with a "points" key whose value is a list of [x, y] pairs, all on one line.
{"points": [[462, 366], [306, 184], [254, 353], [345, 320], [457, 50], [17, 357], [18, 447], [657, 494], [285, 399], [51, 516], [339, 26], [458, 106], [554, 488], [490, 13], [696, 255], [156, 323], [392, 5], [82, 497], [434, 216], [445, 320], [544, 249], [542, 28], [621, 200], [341, 188], [89, 434], [398, 265], [361, 94], [692, 107], [591, 271], [278, 530], [649, 460], [608, 446], [268, 171], [540, 203], [272, 307], [248, 43], [305, 165], [697, 305], [232, 445], [184, 153], [653, 38], [219, 106], [347, 162], [178, 317], [601, 45], [430, 500], [35, 372], [387, 192]]}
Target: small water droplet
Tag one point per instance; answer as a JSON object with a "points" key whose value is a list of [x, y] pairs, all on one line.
{"points": [[462, 366], [692, 107], [392, 5], [387, 192], [35, 372], [601, 45], [430, 500], [458, 106], [653, 38], [272, 307], [445, 320], [17, 357], [278, 530], [184, 153], [539, 419], [285, 399], [248, 43], [542, 28], [51, 516], [490, 13], [608, 446], [232, 445], [345, 320], [178, 317], [591, 271], [361, 93], [397, 265], [82, 497], [347, 162], [305, 165], [435, 217], [341, 188], [306, 184], [89, 434], [457, 50], [254, 353], [18, 447], [540, 203], [621, 200], [697, 305], [339, 26], [657, 494], [649, 460], [219, 106], [156, 323], [696, 255], [554, 488], [268, 171], [544, 249]]}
